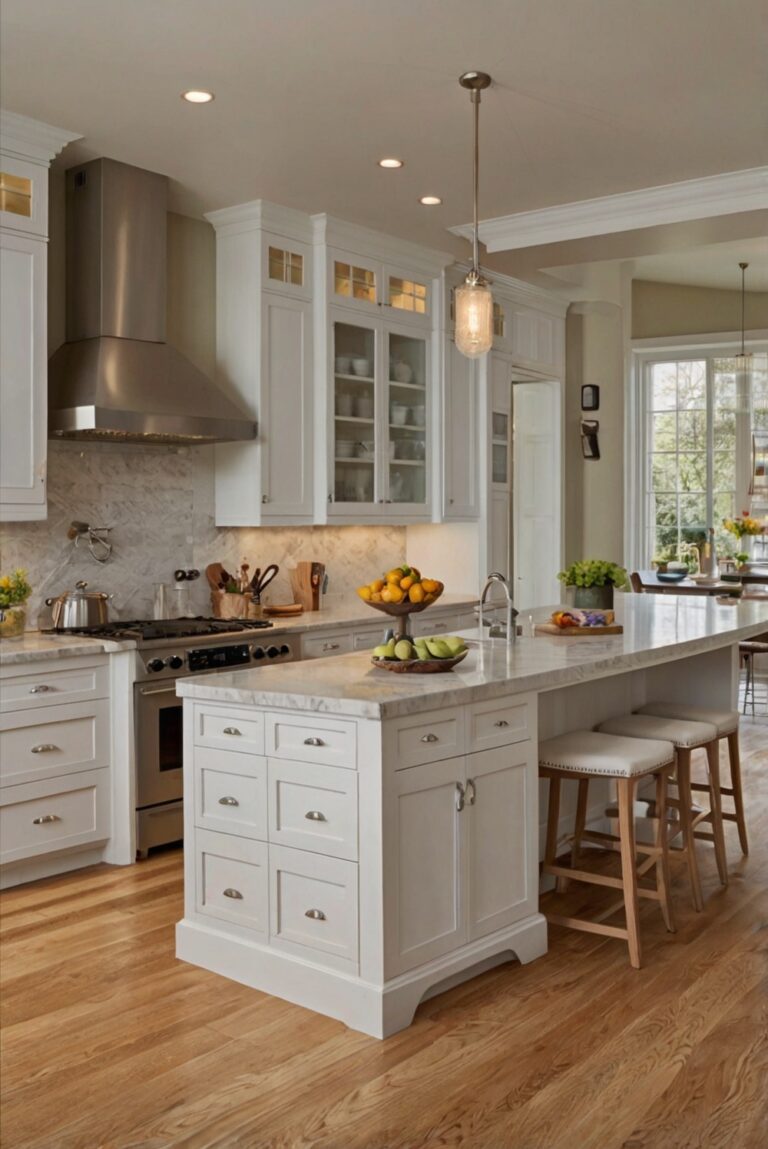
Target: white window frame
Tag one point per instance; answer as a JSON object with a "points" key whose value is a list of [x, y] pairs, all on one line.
{"points": [[643, 353]]}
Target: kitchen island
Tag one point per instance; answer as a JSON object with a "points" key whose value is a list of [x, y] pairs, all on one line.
{"points": [[357, 840]]}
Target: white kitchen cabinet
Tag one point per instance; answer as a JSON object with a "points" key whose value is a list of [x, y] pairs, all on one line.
{"points": [[26, 149], [460, 436], [537, 339], [264, 345]]}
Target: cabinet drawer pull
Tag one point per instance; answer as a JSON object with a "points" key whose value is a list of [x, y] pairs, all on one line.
{"points": [[315, 816], [316, 915], [230, 893], [459, 797], [43, 748], [501, 722], [230, 730], [429, 738], [41, 689], [313, 742], [330, 646], [227, 800], [471, 792], [44, 819]]}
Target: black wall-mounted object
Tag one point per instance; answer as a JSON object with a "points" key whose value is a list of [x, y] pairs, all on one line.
{"points": [[590, 397], [590, 447]]}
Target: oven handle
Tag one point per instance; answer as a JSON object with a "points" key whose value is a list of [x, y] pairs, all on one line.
{"points": [[160, 690]]}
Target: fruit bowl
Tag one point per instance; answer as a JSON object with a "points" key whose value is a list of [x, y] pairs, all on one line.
{"points": [[401, 610], [418, 665]]}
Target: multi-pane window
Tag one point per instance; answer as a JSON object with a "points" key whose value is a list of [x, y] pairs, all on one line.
{"points": [[354, 282], [407, 295], [286, 266], [700, 414]]}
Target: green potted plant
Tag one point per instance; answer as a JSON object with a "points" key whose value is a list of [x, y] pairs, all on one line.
{"points": [[594, 581], [14, 592]]}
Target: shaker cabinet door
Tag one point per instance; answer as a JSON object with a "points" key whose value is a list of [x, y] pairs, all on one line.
{"points": [[461, 496], [285, 424]]}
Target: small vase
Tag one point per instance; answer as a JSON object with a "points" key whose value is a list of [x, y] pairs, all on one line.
{"points": [[747, 546], [593, 597], [13, 620]]}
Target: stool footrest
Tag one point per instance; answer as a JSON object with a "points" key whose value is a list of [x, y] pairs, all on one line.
{"points": [[587, 926]]}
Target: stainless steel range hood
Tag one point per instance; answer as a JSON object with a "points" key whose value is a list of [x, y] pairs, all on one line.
{"points": [[116, 377]]}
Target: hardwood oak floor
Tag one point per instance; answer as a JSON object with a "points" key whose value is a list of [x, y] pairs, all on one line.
{"points": [[109, 1042]]}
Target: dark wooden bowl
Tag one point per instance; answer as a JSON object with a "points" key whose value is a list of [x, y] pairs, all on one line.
{"points": [[401, 610], [418, 665]]}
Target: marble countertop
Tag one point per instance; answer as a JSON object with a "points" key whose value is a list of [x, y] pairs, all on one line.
{"points": [[656, 629], [35, 646]]}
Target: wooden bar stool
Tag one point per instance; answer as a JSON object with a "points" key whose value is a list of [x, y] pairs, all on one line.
{"points": [[727, 724], [586, 754], [685, 736]]}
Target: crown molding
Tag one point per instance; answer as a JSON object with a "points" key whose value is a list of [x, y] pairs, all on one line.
{"points": [[724, 194], [261, 215], [31, 139], [364, 241]]}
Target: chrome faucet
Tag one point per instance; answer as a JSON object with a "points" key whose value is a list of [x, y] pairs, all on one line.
{"points": [[496, 630]]}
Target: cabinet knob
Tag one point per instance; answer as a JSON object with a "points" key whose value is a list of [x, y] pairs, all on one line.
{"points": [[230, 730], [330, 496], [501, 722], [228, 800], [316, 915], [313, 742], [230, 893], [41, 689], [44, 748], [330, 646], [265, 498], [459, 797], [44, 819], [451, 502], [315, 816], [470, 792], [429, 738]]}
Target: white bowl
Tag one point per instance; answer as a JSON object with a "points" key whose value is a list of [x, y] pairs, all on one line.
{"points": [[365, 450], [344, 404], [345, 448], [361, 366], [363, 408], [402, 372], [418, 415], [399, 414], [343, 364]]}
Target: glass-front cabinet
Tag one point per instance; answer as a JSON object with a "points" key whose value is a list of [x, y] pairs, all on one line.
{"points": [[380, 437], [363, 284]]}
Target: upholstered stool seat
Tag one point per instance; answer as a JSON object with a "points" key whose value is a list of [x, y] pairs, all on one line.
{"points": [[587, 754], [727, 723], [686, 735]]}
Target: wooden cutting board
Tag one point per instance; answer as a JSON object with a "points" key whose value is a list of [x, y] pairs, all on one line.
{"points": [[550, 628], [283, 611]]}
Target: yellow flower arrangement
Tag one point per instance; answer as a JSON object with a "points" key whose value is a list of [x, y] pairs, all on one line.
{"points": [[14, 588], [743, 525]]}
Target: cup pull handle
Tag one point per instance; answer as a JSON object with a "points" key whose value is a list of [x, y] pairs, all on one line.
{"points": [[44, 819], [313, 742], [459, 797], [315, 816], [230, 730], [41, 689], [230, 893], [227, 800], [429, 738], [501, 722], [316, 915], [470, 792], [43, 748]]}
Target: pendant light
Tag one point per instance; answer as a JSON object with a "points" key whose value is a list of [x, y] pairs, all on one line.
{"points": [[473, 302], [744, 357]]}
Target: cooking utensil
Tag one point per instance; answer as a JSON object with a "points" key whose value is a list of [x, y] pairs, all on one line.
{"points": [[78, 608], [217, 576], [266, 578]]}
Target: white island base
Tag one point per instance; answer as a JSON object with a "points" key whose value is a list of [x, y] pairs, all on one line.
{"points": [[356, 841]]}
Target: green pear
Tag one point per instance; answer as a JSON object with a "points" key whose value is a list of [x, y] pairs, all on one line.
{"points": [[391, 648], [381, 652], [455, 644], [404, 651], [422, 653], [438, 648]]}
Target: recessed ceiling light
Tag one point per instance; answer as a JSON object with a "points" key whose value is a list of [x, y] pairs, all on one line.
{"points": [[390, 162], [197, 96], [430, 200]]}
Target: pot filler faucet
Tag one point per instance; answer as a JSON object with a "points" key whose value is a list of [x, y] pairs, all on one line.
{"points": [[509, 630]]}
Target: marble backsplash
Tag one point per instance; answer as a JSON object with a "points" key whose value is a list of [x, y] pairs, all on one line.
{"points": [[159, 503]]}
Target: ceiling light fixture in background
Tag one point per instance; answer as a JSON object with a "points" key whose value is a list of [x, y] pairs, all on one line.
{"points": [[391, 162], [197, 96], [473, 302], [744, 357], [430, 200]]}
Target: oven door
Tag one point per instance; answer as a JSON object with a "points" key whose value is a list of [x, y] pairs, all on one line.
{"points": [[159, 743]]}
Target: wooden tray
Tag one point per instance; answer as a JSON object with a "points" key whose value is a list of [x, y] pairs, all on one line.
{"points": [[284, 610], [550, 628], [419, 665]]}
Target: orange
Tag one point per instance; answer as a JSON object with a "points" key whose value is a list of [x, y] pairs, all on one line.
{"points": [[416, 593], [406, 583], [365, 593], [377, 584], [395, 593], [430, 585], [376, 596]]}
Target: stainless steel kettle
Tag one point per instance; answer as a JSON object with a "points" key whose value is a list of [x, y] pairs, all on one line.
{"points": [[79, 608]]}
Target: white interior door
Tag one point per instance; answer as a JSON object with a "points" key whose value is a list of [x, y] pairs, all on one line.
{"points": [[537, 493]]}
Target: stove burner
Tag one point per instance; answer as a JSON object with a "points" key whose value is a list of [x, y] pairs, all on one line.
{"points": [[144, 630]]}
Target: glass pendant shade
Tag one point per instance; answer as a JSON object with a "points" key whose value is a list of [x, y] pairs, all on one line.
{"points": [[473, 311]]}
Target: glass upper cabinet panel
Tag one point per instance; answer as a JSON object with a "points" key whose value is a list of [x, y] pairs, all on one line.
{"points": [[15, 194], [499, 321], [286, 266], [354, 419], [353, 282], [407, 295], [407, 412]]}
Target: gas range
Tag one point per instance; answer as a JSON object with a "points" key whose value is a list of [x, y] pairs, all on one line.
{"points": [[147, 630]]}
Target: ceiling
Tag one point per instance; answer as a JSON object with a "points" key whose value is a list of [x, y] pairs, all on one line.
{"points": [[590, 98], [713, 266]]}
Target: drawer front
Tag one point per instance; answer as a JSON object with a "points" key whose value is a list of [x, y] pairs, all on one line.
{"points": [[367, 639], [442, 624], [498, 723], [321, 741], [40, 817], [313, 902], [38, 744], [313, 808], [425, 738], [232, 879], [229, 728], [231, 793], [52, 687], [326, 645]]}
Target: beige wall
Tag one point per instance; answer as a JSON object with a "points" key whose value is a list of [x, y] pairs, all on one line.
{"points": [[594, 492], [666, 309]]}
